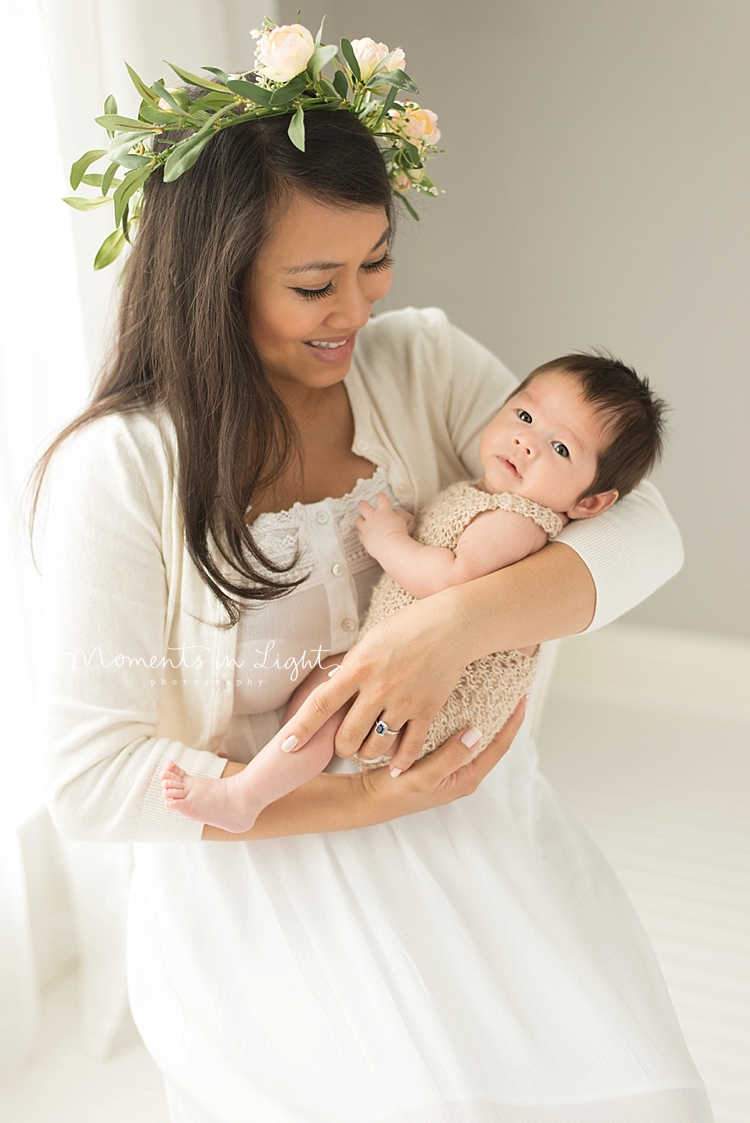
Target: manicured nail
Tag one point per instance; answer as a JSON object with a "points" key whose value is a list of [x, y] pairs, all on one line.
{"points": [[290, 743], [470, 737], [396, 772]]}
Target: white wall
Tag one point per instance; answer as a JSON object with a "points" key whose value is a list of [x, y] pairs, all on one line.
{"points": [[597, 194]]}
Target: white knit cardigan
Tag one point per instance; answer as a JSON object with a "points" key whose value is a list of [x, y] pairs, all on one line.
{"points": [[121, 594]]}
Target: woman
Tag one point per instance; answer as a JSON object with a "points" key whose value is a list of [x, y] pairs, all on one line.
{"points": [[347, 960]]}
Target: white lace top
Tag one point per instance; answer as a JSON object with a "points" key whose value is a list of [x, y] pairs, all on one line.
{"points": [[279, 641]]}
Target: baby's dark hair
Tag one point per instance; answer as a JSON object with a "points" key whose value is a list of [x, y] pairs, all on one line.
{"points": [[633, 415]]}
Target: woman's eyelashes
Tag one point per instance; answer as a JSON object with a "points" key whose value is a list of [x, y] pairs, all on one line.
{"points": [[385, 262]]}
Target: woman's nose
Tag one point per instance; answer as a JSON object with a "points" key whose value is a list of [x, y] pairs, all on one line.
{"points": [[352, 310]]}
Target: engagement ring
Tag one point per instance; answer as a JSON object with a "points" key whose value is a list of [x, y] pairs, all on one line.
{"points": [[382, 729]]}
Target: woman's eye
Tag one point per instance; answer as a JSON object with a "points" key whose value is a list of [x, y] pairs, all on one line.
{"points": [[524, 416], [385, 262], [315, 294], [560, 448]]}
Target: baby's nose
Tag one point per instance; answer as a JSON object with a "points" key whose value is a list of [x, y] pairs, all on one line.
{"points": [[524, 446]]}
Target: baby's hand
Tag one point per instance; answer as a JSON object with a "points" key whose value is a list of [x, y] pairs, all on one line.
{"points": [[376, 524]]}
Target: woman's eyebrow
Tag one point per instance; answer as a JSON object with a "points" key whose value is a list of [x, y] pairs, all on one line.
{"points": [[322, 266]]}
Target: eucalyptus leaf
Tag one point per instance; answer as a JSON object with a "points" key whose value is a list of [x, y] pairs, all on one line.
{"points": [[97, 180], [321, 57], [413, 154], [286, 94], [399, 79], [132, 181], [224, 78], [351, 59], [213, 101], [319, 36], [160, 117], [408, 206], [329, 90], [194, 79], [165, 95], [388, 101], [147, 94], [184, 155], [130, 160], [83, 162], [341, 85], [79, 204], [123, 142], [119, 124], [111, 248], [109, 178], [296, 130], [249, 90]]}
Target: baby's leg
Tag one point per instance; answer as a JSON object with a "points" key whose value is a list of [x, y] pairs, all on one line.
{"points": [[234, 802]]}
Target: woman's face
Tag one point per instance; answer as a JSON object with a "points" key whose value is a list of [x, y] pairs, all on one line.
{"points": [[314, 285]]}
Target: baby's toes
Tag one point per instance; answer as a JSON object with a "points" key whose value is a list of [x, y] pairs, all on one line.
{"points": [[173, 771]]}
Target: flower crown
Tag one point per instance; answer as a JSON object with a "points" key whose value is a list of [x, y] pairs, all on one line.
{"points": [[287, 78]]}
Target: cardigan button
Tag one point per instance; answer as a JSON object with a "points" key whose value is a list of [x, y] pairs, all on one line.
{"points": [[338, 570], [348, 625], [361, 446], [322, 517]]}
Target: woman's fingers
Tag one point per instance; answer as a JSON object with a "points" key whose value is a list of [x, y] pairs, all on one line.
{"points": [[448, 764]]}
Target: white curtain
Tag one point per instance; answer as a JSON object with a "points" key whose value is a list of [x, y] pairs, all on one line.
{"points": [[61, 59]]}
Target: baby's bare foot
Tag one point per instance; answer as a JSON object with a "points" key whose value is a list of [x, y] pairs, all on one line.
{"points": [[220, 803]]}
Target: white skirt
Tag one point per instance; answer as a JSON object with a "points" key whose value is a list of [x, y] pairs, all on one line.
{"points": [[477, 963]]}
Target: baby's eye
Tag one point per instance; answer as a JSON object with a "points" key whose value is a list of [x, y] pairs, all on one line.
{"points": [[524, 416], [560, 448]]}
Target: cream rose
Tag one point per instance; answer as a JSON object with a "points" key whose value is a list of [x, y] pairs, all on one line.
{"points": [[421, 124], [284, 52], [370, 54]]}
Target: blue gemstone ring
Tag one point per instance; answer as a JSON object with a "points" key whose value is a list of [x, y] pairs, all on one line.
{"points": [[382, 729]]}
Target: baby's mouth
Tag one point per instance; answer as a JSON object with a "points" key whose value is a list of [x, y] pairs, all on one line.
{"points": [[510, 467]]}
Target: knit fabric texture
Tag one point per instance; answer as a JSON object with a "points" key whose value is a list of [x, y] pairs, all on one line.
{"points": [[490, 688]]}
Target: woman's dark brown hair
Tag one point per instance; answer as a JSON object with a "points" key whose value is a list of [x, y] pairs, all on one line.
{"points": [[183, 341]]}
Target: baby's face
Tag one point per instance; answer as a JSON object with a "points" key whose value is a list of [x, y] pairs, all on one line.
{"points": [[544, 443]]}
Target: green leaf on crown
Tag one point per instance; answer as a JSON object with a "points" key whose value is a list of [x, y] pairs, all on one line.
{"points": [[408, 206], [388, 101], [341, 85], [111, 248], [194, 79], [296, 130], [120, 124], [224, 78], [184, 155], [286, 94], [399, 79], [110, 105], [130, 184], [108, 178], [213, 101], [79, 204], [250, 91], [97, 180], [161, 117], [83, 162], [351, 59], [165, 95], [321, 57], [147, 94]]}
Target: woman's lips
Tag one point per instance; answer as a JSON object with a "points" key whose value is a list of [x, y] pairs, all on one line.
{"points": [[331, 350]]}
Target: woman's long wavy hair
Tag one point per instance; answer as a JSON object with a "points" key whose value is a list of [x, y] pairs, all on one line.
{"points": [[183, 341]]}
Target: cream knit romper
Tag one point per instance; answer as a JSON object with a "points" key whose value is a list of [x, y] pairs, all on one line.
{"points": [[490, 688]]}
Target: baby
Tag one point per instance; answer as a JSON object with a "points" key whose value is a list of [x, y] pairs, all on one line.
{"points": [[577, 434]]}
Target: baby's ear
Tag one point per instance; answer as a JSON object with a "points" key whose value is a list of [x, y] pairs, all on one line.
{"points": [[593, 505]]}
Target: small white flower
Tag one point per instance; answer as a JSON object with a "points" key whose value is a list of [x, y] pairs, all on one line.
{"points": [[370, 54], [284, 52], [401, 181]]}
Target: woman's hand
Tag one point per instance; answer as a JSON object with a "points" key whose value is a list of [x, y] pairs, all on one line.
{"points": [[332, 802], [402, 671]]}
